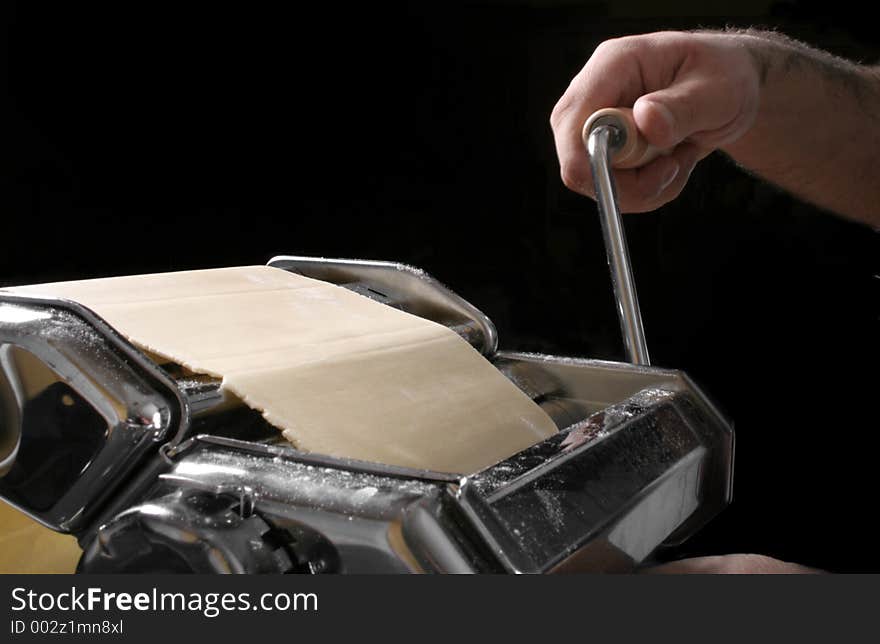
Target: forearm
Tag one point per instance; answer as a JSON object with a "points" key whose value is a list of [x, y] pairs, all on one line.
{"points": [[817, 131]]}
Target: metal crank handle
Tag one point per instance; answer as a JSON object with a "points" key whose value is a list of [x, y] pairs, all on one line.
{"points": [[633, 151], [612, 139]]}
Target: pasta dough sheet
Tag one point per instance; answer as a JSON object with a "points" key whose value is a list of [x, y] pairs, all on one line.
{"points": [[336, 372]]}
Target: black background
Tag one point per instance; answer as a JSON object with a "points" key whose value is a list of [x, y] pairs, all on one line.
{"points": [[143, 137]]}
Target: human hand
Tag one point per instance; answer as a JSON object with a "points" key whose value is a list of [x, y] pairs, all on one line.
{"points": [[691, 93], [730, 565]]}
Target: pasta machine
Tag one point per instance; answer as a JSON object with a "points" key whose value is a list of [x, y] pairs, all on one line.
{"points": [[155, 469]]}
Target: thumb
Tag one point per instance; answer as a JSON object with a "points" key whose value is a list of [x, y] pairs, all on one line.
{"points": [[688, 108]]}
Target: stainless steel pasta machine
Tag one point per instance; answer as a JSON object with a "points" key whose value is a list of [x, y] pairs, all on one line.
{"points": [[154, 469]]}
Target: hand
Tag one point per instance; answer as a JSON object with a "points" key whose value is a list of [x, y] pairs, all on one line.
{"points": [[690, 92], [731, 565]]}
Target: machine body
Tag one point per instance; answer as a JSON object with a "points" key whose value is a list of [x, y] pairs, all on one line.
{"points": [[156, 470]]}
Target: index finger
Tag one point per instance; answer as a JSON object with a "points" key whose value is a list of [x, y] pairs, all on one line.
{"points": [[614, 76]]}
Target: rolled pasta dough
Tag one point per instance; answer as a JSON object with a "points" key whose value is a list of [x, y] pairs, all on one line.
{"points": [[336, 372]]}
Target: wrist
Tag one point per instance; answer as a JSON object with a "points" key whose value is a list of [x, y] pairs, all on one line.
{"points": [[768, 59]]}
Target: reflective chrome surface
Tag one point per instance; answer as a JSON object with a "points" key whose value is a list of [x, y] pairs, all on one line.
{"points": [[599, 496], [188, 531], [355, 513], [604, 494], [404, 287], [79, 408], [601, 142], [642, 458]]}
